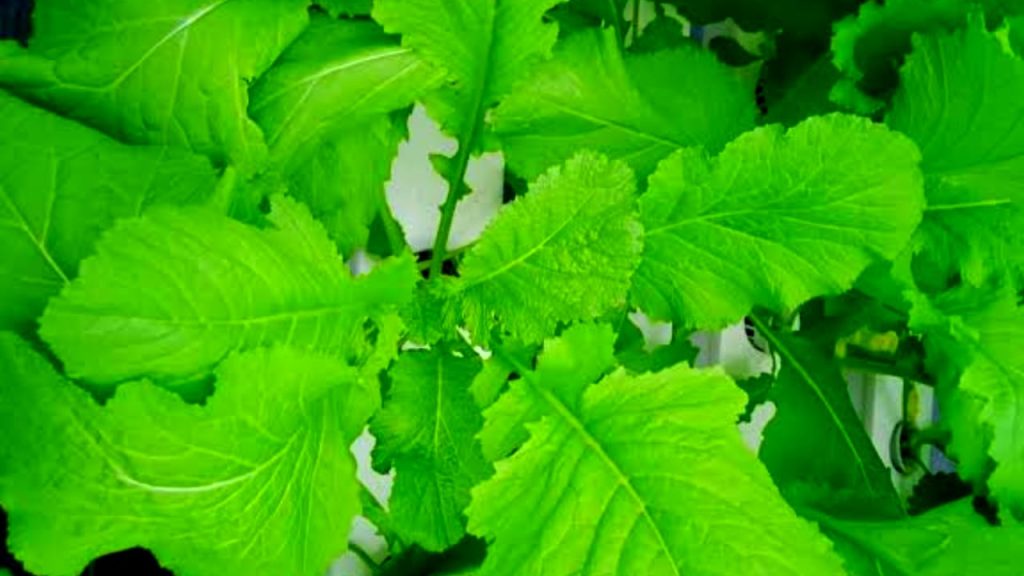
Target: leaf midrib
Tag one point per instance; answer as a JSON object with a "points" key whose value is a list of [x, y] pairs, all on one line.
{"points": [[779, 346], [566, 415]]}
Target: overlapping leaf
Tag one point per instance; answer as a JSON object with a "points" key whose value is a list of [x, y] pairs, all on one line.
{"points": [[952, 539], [61, 185], [564, 252], [868, 47], [485, 46], [590, 96], [427, 432], [959, 100], [816, 437], [324, 107], [257, 481], [637, 475], [777, 218], [978, 335], [160, 72], [169, 295]]}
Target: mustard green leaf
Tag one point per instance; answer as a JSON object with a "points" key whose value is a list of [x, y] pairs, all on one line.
{"points": [[325, 108], [816, 435], [161, 72], [979, 334], [958, 101], [638, 475], [952, 539], [257, 481], [591, 96], [563, 252], [61, 186], [485, 47], [426, 433], [868, 47], [169, 295], [777, 218], [559, 361]]}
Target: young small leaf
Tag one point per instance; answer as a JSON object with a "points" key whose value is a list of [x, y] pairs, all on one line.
{"points": [[777, 218], [257, 481], [564, 252], [427, 432], [169, 295]]}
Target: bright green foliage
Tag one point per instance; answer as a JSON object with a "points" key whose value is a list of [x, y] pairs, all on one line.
{"points": [[427, 433], [257, 481], [608, 484], [169, 295], [560, 362], [324, 108], [952, 539], [61, 185], [484, 46], [590, 96], [981, 334], [777, 218], [868, 47], [165, 71], [209, 290], [816, 436], [564, 252], [960, 101]]}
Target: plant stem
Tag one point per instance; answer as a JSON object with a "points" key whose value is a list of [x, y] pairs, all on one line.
{"points": [[886, 368], [457, 182], [364, 556]]}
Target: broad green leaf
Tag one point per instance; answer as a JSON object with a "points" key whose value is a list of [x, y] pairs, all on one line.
{"points": [[638, 475], [816, 435], [564, 252], [257, 481], [959, 102], [159, 72], [952, 539], [981, 333], [324, 107], [559, 362], [427, 432], [61, 186], [485, 48], [590, 96], [777, 218], [169, 295], [867, 48]]}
